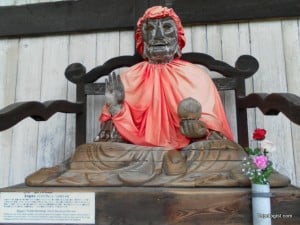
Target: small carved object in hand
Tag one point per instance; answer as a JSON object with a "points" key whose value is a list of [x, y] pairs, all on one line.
{"points": [[189, 111]]}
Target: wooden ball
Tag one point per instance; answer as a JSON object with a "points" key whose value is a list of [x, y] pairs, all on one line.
{"points": [[189, 108]]}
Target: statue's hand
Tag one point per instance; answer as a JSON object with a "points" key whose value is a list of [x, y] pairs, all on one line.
{"points": [[114, 93], [193, 128], [215, 135]]}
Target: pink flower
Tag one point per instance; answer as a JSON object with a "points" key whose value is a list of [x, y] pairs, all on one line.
{"points": [[260, 161]]}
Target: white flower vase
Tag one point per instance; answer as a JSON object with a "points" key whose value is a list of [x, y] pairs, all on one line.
{"points": [[261, 204]]}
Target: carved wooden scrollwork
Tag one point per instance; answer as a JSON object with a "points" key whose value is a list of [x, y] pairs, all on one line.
{"points": [[272, 104], [245, 67], [14, 113], [76, 72]]}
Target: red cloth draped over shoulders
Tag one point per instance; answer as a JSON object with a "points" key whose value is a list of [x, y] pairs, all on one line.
{"points": [[152, 94]]}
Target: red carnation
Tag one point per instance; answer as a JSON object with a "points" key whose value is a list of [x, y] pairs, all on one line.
{"points": [[259, 134]]}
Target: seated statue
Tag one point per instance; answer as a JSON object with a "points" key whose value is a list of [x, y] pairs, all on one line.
{"points": [[163, 123], [143, 101]]}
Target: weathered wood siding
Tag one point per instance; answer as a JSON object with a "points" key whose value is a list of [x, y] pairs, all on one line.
{"points": [[33, 69]]}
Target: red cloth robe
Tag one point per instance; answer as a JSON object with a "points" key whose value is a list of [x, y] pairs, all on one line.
{"points": [[152, 94]]}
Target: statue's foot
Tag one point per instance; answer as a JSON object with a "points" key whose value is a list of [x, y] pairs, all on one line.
{"points": [[174, 163]]}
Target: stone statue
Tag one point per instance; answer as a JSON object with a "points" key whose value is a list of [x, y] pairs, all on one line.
{"points": [[163, 123]]}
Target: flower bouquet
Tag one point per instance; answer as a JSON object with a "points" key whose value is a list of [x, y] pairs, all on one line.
{"points": [[257, 165], [258, 168]]}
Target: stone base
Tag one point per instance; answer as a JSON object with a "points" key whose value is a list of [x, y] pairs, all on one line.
{"points": [[180, 206]]}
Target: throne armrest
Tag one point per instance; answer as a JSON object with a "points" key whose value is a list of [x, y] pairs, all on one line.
{"points": [[39, 111], [273, 104]]}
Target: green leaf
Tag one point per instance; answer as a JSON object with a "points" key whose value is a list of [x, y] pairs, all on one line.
{"points": [[247, 149], [257, 151], [268, 172]]}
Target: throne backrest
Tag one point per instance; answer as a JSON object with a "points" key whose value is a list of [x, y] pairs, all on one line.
{"points": [[233, 79]]}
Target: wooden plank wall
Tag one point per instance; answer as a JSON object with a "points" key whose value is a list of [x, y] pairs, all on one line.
{"points": [[33, 69]]}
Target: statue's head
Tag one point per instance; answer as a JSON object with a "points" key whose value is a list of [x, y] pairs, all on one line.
{"points": [[159, 35]]}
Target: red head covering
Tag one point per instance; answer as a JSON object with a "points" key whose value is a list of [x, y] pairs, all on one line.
{"points": [[157, 12]]}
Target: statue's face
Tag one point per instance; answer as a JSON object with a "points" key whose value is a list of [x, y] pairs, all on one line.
{"points": [[160, 40]]}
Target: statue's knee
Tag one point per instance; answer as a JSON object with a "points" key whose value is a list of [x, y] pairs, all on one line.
{"points": [[174, 163]]}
